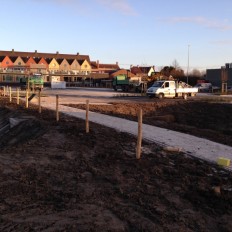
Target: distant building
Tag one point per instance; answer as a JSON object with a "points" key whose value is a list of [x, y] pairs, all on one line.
{"points": [[215, 75], [122, 72], [75, 69], [103, 68], [142, 70]]}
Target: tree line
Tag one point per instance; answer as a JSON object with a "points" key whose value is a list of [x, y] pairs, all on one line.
{"points": [[177, 73]]}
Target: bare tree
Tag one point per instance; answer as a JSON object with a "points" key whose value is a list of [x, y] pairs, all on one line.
{"points": [[176, 65]]}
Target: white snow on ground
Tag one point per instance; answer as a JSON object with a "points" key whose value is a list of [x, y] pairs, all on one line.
{"points": [[198, 147]]}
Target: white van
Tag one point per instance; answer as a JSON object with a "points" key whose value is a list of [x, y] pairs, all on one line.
{"points": [[171, 89]]}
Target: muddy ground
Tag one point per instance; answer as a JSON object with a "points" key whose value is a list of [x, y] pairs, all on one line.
{"points": [[55, 177]]}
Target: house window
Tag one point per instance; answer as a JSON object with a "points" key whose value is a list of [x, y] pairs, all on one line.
{"points": [[18, 79]]}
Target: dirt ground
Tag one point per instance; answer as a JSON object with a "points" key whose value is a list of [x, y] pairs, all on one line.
{"points": [[55, 177]]}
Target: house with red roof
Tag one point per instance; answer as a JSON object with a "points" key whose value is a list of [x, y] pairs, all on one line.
{"points": [[142, 71]]}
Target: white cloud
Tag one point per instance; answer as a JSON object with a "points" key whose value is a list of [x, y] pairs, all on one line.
{"points": [[58, 1], [120, 5], [222, 42], [211, 24]]}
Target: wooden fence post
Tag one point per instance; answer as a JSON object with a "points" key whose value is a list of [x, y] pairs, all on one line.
{"points": [[139, 139], [17, 96], [10, 96], [57, 108], [26, 98], [4, 91], [87, 117], [39, 101]]}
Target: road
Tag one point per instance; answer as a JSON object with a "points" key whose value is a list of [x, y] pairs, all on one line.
{"points": [[95, 95], [103, 95]]}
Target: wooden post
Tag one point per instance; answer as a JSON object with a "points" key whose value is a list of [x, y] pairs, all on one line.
{"points": [[57, 108], [4, 91], [87, 117], [17, 96], [28, 84], [10, 96], [139, 140], [7, 90], [26, 98], [39, 101]]}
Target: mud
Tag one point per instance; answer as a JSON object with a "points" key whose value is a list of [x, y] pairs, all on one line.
{"points": [[55, 177]]}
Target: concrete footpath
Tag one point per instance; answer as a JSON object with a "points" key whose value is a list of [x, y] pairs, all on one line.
{"points": [[198, 147]]}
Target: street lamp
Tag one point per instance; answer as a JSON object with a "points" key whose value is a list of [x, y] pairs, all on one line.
{"points": [[188, 65]]}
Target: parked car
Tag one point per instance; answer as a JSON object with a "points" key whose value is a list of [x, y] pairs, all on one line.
{"points": [[215, 89], [229, 89], [204, 87]]}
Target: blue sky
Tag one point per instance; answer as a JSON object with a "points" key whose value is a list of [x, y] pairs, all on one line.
{"points": [[148, 32]]}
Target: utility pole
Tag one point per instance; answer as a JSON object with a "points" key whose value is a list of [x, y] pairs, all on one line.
{"points": [[188, 65]]}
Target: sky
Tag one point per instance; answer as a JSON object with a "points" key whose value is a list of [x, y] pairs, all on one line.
{"points": [[196, 34]]}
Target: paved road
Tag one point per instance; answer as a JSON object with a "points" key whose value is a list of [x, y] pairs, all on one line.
{"points": [[93, 94], [195, 146], [100, 95]]}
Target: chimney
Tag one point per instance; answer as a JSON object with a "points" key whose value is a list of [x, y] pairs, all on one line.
{"points": [[77, 53], [97, 64], [57, 53], [35, 51], [117, 63], [12, 51]]}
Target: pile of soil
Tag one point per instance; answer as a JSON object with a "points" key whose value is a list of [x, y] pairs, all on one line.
{"points": [[200, 118], [59, 178]]}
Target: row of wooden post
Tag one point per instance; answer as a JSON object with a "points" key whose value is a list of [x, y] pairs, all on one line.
{"points": [[9, 93], [140, 117]]}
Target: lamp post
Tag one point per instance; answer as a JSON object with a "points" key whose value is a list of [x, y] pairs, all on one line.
{"points": [[188, 65]]}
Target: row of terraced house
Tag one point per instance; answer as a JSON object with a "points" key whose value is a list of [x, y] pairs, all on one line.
{"points": [[72, 68]]}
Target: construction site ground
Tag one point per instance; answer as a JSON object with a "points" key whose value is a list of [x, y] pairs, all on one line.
{"points": [[56, 177]]}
